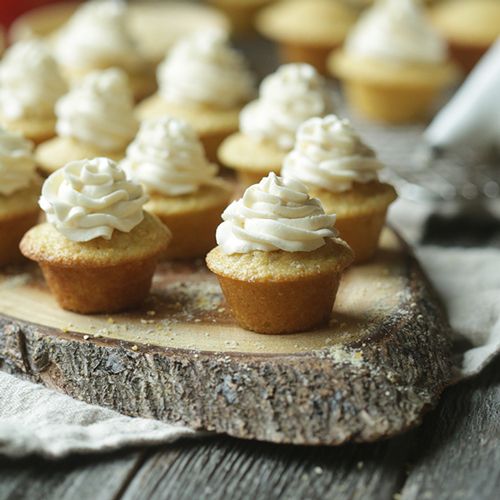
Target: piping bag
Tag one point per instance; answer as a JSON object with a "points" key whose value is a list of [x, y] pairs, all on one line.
{"points": [[471, 119]]}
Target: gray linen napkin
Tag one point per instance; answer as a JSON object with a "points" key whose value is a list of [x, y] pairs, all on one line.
{"points": [[36, 420]]}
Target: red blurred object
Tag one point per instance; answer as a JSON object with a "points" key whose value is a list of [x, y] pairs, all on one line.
{"points": [[10, 9]]}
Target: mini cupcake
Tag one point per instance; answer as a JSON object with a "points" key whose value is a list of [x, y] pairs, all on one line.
{"points": [[96, 38], [95, 119], [98, 249], [19, 191], [294, 93], [167, 158], [279, 261], [469, 26], [393, 64], [341, 171], [204, 82], [241, 13], [307, 31], [30, 85]]}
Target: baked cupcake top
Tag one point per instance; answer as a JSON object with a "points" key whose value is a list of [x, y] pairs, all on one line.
{"points": [[167, 157], [396, 31], [17, 165], [97, 37], [203, 70], [275, 214], [288, 97], [30, 81], [89, 199], [99, 111], [329, 154]]}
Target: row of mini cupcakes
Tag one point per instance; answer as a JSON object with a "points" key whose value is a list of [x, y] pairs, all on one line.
{"points": [[202, 80], [392, 62], [279, 260], [168, 160]]}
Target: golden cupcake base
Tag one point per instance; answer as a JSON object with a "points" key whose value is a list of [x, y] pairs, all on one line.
{"points": [[192, 219], [98, 276], [281, 292]]}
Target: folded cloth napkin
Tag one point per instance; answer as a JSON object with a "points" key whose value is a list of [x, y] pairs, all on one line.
{"points": [[467, 280], [36, 420]]}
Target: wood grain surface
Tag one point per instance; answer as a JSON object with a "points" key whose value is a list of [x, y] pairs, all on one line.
{"points": [[372, 372]]}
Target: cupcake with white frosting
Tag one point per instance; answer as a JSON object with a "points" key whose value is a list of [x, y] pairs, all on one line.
{"points": [[307, 31], [96, 118], [30, 85], [279, 259], [98, 249], [341, 171], [97, 37], [168, 159], [19, 191], [393, 64], [204, 82], [291, 95]]}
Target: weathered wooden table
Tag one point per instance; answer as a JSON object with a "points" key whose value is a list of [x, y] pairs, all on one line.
{"points": [[455, 454]]}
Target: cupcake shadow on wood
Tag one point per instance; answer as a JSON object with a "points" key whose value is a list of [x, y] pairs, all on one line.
{"points": [[278, 259], [167, 158], [342, 172], [204, 82], [98, 249]]}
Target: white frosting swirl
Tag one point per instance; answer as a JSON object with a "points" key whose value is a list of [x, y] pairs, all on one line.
{"points": [[276, 214], [396, 30], [168, 158], [204, 69], [30, 81], [99, 111], [97, 37], [89, 199], [329, 154], [291, 95], [17, 165]]}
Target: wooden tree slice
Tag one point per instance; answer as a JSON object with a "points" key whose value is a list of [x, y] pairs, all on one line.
{"points": [[380, 364]]}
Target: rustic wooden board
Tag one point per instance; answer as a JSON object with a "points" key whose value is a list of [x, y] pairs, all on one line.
{"points": [[372, 373]]}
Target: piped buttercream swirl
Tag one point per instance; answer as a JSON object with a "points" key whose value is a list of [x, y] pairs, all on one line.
{"points": [[89, 199], [17, 165], [275, 214], [288, 97], [397, 31], [97, 37], [329, 154], [168, 158], [204, 70], [30, 81], [99, 111]]}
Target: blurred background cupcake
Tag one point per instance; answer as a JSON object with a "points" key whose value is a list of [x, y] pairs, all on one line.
{"points": [[307, 30], [97, 37], [30, 85], [469, 26], [241, 13], [205, 82], [96, 118], [291, 95], [393, 64]]}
